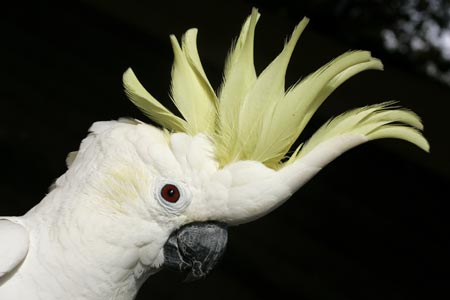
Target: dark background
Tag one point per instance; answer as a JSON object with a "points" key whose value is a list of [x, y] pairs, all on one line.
{"points": [[372, 225]]}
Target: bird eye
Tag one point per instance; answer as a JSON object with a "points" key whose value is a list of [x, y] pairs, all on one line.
{"points": [[174, 196], [170, 193]]}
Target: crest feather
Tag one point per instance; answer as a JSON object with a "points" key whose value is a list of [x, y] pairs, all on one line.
{"points": [[190, 89], [376, 121], [253, 122], [151, 107], [254, 118], [239, 76]]}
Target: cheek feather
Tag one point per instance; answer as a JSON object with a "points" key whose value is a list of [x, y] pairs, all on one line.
{"points": [[123, 183]]}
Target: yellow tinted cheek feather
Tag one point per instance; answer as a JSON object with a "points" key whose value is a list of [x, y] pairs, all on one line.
{"points": [[123, 184]]}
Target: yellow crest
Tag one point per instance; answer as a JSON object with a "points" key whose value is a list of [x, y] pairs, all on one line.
{"points": [[253, 117]]}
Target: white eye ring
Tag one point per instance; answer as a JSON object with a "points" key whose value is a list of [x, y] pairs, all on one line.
{"points": [[181, 194]]}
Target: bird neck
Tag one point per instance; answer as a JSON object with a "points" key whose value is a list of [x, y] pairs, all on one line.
{"points": [[79, 248]]}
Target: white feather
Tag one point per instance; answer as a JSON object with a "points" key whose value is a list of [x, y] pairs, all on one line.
{"points": [[14, 241]]}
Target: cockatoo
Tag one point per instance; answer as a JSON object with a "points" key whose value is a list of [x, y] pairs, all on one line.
{"points": [[137, 198]]}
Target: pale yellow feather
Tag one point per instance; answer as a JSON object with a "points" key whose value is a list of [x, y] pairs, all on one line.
{"points": [[288, 117], [189, 47], [239, 76], [191, 91], [376, 121], [305, 98], [254, 118], [238, 45], [408, 134], [151, 107], [255, 121]]}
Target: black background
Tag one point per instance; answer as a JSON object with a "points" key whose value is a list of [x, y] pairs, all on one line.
{"points": [[372, 225]]}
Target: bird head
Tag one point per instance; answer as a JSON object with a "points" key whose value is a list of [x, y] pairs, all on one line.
{"points": [[228, 158]]}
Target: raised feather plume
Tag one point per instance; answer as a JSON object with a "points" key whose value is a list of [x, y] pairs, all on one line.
{"points": [[254, 117]]}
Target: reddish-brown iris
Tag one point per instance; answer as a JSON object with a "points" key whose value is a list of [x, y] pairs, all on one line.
{"points": [[170, 193]]}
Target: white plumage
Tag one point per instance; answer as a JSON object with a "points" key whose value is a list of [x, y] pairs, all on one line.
{"points": [[102, 229]]}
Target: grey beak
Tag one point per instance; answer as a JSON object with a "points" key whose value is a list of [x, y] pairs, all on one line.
{"points": [[196, 248]]}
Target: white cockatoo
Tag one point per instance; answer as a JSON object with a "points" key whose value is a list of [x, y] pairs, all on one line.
{"points": [[137, 198]]}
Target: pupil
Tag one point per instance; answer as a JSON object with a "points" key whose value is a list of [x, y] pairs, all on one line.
{"points": [[170, 193]]}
